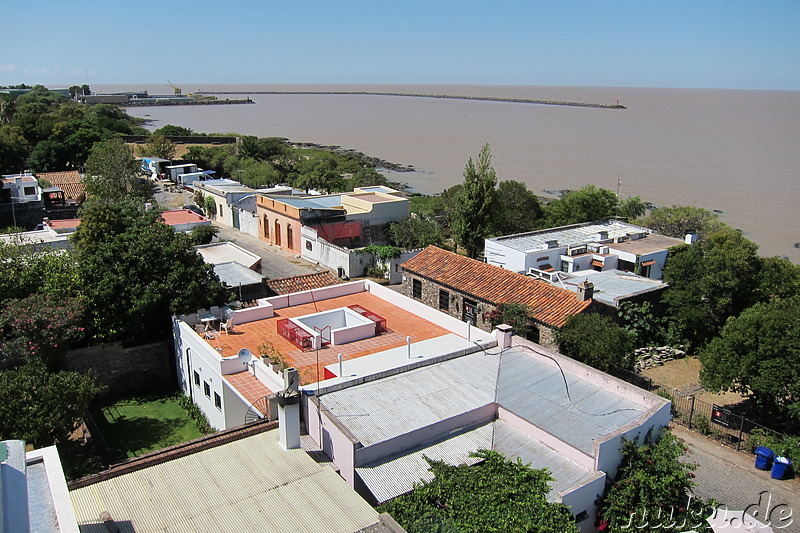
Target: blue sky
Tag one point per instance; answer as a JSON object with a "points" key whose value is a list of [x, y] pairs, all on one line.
{"points": [[704, 44]]}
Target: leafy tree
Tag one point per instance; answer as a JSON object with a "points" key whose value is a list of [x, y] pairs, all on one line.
{"points": [[473, 210], [366, 177], [584, 205], [42, 408], [321, 174], [158, 146], [25, 271], [595, 340], [415, 232], [48, 156], [515, 314], [139, 272], [257, 174], [778, 278], [678, 220], [645, 327], [710, 281], [203, 234], [42, 326], [112, 173], [631, 208], [516, 209], [651, 490], [14, 149], [210, 206], [758, 354], [249, 147], [174, 131], [495, 495]]}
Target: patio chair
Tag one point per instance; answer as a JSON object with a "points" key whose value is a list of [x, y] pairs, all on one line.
{"points": [[227, 326], [200, 327], [214, 310]]}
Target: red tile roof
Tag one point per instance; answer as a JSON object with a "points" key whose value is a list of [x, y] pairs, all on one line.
{"points": [[551, 305], [182, 216], [302, 283], [68, 181]]}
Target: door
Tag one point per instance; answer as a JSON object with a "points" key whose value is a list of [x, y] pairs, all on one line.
{"points": [[470, 312], [235, 215]]}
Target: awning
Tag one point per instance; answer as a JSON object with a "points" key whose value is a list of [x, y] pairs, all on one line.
{"points": [[546, 267], [597, 263], [648, 263]]}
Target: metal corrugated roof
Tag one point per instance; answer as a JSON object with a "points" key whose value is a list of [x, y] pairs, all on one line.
{"points": [[247, 485], [396, 475], [396, 405], [569, 235], [514, 444], [234, 274], [533, 388]]}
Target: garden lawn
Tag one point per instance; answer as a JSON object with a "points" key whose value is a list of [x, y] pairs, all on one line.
{"points": [[142, 424]]}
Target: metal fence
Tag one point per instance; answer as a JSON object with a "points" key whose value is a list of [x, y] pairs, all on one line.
{"points": [[711, 420]]}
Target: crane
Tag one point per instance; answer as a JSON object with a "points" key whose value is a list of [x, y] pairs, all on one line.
{"points": [[174, 88]]}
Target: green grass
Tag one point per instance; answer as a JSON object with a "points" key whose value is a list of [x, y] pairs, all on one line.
{"points": [[425, 205], [142, 424]]}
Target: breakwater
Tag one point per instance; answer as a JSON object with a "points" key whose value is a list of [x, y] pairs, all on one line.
{"points": [[420, 95], [149, 102]]}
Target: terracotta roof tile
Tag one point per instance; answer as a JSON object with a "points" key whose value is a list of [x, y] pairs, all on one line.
{"points": [[68, 181], [551, 305], [302, 283]]}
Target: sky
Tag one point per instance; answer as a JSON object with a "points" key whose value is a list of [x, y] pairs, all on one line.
{"points": [[729, 44]]}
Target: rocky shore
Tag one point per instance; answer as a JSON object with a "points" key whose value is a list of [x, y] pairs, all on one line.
{"points": [[417, 95], [150, 102], [376, 161]]}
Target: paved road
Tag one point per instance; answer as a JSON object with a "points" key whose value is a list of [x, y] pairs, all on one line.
{"points": [[731, 478]]}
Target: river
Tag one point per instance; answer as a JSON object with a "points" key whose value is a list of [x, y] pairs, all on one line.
{"points": [[728, 150]]}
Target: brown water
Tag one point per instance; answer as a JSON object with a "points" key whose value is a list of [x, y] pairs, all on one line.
{"points": [[733, 151]]}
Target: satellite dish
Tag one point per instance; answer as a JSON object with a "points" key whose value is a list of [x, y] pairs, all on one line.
{"points": [[245, 355]]}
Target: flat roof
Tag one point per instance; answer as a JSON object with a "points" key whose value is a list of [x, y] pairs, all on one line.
{"points": [[613, 285], [312, 202], [582, 234], [250, 484], [224, 252], [176, 217], [234, 274], [573, 409], [375, 198]]}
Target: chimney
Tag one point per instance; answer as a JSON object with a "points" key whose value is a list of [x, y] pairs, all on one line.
{"points": [[551, 244], [602, 236], [503, 334], [690, 238], [585, 290], [289, 411]]}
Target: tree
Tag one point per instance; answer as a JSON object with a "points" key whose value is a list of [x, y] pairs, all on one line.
{"points": [[257, 174], [210, 206], [758, 354], [515, 314], [584, 205], [595, 340], [516, 209], [415, 232], [249, 147], [651, 490], [631, 208], [14, 149], [158, 146], [25, 271], [42, 408], [48, 156], [473, 210], [174, 131], [112, 173], [319, 173], [678, 220], [495, 495], [203, 234], [710, 281], [778, 278], [645, 327], [139, 272]]}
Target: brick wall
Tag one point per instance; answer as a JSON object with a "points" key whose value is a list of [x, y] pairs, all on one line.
{"points": [[124, 370]]}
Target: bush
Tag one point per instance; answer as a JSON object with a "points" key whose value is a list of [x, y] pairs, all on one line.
{"points": [[195, 413]]}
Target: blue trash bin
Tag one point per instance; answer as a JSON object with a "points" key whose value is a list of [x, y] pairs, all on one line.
{"points": [[780, 467], [764, 458]]}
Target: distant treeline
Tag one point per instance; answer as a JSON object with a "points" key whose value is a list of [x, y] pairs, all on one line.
{"points": [[418, 95]]}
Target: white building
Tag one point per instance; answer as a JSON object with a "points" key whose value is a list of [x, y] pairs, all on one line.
{"points": [[604, 245], [387, 379], [20, 188]]}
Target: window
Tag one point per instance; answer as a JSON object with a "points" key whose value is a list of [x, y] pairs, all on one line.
{"points": [[645, 270], [564, 266], [277, 233], [220, 210], [308, 245], [217, 401], [266, 227], [207, 389], [196, 379], [444, 300], [29, 191], [416, 289], [627, 266], [289, 236]]}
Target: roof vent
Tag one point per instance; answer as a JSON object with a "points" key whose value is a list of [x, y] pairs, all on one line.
{"points": [[551, 244], [602, 235]]}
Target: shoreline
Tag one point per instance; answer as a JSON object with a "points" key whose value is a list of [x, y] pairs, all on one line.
{"points": [[422, 95]]}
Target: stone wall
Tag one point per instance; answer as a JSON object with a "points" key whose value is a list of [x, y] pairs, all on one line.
{"points": [[125, 370]]}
